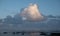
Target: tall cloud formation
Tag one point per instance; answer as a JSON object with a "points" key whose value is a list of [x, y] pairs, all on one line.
{"points": [[31, 13]]}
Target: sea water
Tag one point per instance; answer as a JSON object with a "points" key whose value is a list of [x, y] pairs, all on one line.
{"points": [[20, 34]]}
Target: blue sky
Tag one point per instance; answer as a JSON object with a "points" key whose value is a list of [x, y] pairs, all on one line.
{"points": [[12, 7]]}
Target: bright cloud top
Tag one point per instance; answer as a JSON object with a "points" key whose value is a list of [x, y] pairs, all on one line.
{"points": [[31, 13]]}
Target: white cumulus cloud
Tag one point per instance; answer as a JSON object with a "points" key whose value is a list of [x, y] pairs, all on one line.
{"points": [[31, 13]]}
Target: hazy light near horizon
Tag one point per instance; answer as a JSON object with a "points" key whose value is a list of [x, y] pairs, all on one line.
{"points": [[31, 13], [24, 18]]}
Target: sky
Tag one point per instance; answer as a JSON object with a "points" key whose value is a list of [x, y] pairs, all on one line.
{"points": [[12, 7]]}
